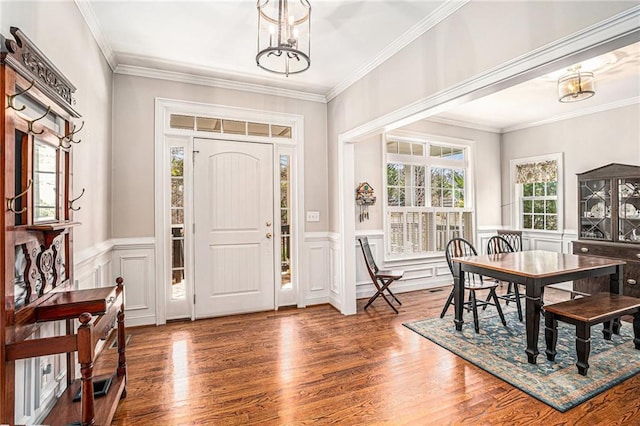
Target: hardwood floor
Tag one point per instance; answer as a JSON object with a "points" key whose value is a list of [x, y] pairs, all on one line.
{"points": [[314, 365]]}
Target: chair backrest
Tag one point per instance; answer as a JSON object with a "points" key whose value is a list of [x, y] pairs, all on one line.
{"points": [[513, 237], [368, 257], [459, 247], [498, 244]]}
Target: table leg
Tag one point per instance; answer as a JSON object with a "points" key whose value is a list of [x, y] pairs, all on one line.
{"points": [[458, 294], [533, 306], [616, 286]]}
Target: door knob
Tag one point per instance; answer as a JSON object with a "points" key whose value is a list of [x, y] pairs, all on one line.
{"points": [[269, 235], [268, 223]]}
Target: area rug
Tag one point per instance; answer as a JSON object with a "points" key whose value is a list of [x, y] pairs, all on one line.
{"points": [[500, 351]]}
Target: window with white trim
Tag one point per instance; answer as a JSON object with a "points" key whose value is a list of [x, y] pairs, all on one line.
{"points": [[537, 183], [427, 184]]}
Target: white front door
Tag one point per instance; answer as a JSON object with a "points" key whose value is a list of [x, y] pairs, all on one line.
{"points": [[233, 217]]}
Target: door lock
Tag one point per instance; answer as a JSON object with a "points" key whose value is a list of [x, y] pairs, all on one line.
{"points": [[268, 223], [269, 235]]}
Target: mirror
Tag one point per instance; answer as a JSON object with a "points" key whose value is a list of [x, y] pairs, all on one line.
{"points": [[45, 182]]}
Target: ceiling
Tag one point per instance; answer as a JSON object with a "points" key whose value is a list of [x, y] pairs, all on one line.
{"points": [[218, 39]]}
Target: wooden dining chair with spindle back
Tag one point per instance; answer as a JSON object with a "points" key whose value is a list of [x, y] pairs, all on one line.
{"points": [[495, 245], [459, 247]]}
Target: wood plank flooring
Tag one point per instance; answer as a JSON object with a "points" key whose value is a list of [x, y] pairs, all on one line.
{"points": [[314, 365]]}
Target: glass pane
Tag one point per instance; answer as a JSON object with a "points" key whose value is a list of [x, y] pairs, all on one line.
{"points": [[437, 179], [552, 223], [552, 188], [551, 206], [447, 181], [527, 221], [458, 198], [538, 206], [457, 154], [177, 192], [258, 129], [419, 197], [284, 194], [539, 189], [436, 198], [527, 189], [392, 147], [538, 221], [177, 263], [205, 124], [418, 173], [45, 181], [182, 121], [395, 174], [527, 206], [404, 148], [458, 179], [177, 161], [435, 151], [418, 149], [177, 216], [281, 131], [284, 167], [234, 127], [446, 152]]}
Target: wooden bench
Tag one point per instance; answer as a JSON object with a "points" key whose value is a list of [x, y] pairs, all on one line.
{"points": [[606, 308]]}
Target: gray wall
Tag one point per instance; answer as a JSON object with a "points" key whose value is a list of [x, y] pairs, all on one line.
{"points": [[587, 142], [59, 30], [133, 146], [478, 37]]}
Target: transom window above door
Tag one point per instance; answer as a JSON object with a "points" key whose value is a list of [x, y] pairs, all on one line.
{"points": [[226, 126]]}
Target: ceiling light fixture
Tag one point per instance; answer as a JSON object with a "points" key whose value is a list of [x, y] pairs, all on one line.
{"points": [[576, 85], [284, 36]]}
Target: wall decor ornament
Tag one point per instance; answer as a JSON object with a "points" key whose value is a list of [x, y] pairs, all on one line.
{"points": [[364, 198]]}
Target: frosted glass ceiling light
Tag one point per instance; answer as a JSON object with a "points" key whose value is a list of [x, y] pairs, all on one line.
{"points": [[576, 85], [284, 36]]}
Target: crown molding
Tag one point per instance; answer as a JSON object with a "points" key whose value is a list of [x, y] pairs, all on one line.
{"points": [[465, 124], [599, 108], [92, 22], [439, 15], [216, 82]]}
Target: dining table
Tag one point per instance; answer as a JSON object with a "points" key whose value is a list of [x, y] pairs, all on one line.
{"points": [[534, 269]]}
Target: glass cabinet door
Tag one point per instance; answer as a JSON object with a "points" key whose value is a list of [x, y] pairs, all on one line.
{"points": [[595, 209], [629, 210]]}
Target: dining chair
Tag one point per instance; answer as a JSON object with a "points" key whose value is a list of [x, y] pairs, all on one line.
{"points": [[495, 245], [513, 237], [381, 278], [459, 247]]}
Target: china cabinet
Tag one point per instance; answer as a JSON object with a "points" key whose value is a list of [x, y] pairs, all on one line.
{"points": [[609, 221], [41, 308]]}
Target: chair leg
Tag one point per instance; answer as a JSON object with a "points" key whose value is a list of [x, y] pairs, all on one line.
{"points": [[393, 295], [498, 307], [484, 306], [636, 329], [518, 304], [474, 305], [446, 305]]}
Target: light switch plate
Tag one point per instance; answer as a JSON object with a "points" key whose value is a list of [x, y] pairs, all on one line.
{"points": [[313, 216]]}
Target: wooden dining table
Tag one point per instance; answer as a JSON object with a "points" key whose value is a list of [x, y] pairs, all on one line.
{"points": [[534, 269]]}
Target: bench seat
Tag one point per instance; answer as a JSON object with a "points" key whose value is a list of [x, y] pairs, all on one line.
{"points": [[605, 308]]}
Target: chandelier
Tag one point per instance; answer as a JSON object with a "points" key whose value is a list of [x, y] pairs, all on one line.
{"points": [[284, 36], [576, 85]]}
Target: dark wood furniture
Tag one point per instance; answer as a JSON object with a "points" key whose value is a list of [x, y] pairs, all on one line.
{"points": [[39, 302], [513, 236], [498, 244], [535, 269], [458, 247], [609, 223], [604, 308], [381, 279]]}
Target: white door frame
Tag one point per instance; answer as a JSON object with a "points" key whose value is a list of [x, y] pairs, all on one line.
{"points": [[164, 135], [617, 31]]}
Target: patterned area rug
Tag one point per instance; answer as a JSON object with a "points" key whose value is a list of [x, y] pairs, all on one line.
{"points": [[500, 351]]}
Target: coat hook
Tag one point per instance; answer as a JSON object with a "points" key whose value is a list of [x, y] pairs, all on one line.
{"points": [[75, 209], [11, 202], [69, 137], [11, 98], [30, 123]]}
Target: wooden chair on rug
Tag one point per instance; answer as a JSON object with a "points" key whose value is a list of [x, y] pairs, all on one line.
{"points": [[381, 278], [459, 247], [498, 244]]}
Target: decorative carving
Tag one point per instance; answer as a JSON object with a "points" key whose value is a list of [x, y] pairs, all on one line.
{"points": [[23, 55], [32, 276]]}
